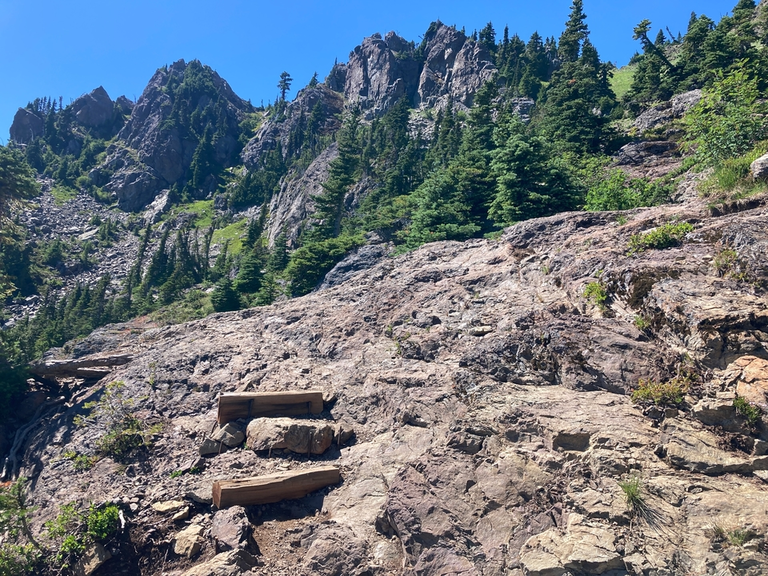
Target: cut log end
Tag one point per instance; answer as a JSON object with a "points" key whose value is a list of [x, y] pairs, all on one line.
{"points": [[274, 487]]}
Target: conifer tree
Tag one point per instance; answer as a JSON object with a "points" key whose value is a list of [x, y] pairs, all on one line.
{"points": [[576, 31]]}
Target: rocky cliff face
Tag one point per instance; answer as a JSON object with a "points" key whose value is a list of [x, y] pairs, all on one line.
{"points": [[155, 148], [488, 399], [447, 68], [94, 113]]}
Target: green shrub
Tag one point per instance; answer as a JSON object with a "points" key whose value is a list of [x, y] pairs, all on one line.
{"points": [[728, 121], [596, 293], [752, 413], [665, 236], [670, 393], [102, 523], [19, 551]]}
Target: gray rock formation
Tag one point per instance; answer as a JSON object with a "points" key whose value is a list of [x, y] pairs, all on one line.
{"points": [[666, 112], [297, 113], [759, 168], [293, 204], [95, 109], [380, 71], [153, 152], [26, 126]]}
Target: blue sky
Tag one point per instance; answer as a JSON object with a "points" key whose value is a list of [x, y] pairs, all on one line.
{"points": [[69, 48]]}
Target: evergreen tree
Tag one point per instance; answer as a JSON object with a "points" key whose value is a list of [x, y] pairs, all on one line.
{"points": [[530, 180], [284, 85], [329, 206], [224, 298], [576, 31]]}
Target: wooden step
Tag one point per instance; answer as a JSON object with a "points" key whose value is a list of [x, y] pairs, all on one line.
{"points": [[274, 487], [259, 404]]}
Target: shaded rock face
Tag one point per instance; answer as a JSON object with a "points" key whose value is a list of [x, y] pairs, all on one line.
{"points": [[153, 152], [450, 69], [26, 126], [380, 72], [294, 203], [278, 131], [95, 109], [490, 408]]}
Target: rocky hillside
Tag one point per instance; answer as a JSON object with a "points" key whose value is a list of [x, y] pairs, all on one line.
{"points": [[487, 385]]}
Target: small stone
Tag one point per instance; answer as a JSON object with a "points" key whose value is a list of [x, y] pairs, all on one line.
{"points": [[189, 541], [201, 494], [210, 446], [230, 435], [169, 506], [182, 514], [480, 330], [92, 560]]}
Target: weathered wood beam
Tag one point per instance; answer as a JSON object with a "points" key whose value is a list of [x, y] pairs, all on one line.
{"points": [[274, 487], [81, 368], [255, 405]]}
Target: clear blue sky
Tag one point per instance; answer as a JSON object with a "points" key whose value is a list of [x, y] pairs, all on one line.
{"points": [[60, 48]]}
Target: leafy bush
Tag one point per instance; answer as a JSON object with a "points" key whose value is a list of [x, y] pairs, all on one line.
{"points": [[670, 393], [665, 236], [595, 292], [615, 190], [752, 413], [727, 122], [102, 523], [19, 551]]}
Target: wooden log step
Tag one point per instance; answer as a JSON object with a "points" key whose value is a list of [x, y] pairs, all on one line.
{"points": [[258, 404], [274, 487]]}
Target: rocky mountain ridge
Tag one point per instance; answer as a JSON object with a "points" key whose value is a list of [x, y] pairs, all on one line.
{"points": [[488, 396]]}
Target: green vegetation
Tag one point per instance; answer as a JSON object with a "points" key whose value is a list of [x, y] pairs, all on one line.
{"points": [[120, 431], [621, 80], [732, 537], [671, 393], [633, 494], [596, 293], [664, 236], [752, 413]]}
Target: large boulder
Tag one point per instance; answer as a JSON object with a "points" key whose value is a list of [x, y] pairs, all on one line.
{"points": [[299, 436], [95, 109], [668, 111], [26, 126]]}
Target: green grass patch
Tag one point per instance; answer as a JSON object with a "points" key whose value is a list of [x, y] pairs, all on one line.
{"points": [[621, 81], [732, 179], [664, 236], [202, 211], [63, 194], [633, 494], [596, 293], [234, 233]]}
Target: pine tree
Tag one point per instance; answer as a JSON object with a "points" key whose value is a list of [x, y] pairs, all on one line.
{"points": [[284, 85], [224, 298], [329, 206], [576, 31]]}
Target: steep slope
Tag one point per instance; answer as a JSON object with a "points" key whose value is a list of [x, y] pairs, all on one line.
{"points": [[488, 398], [155, 149]]}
